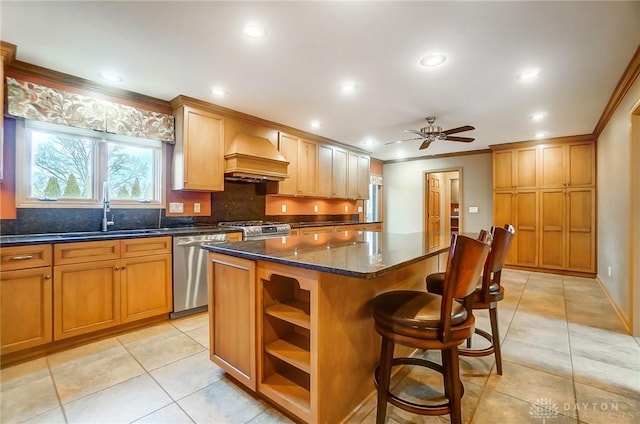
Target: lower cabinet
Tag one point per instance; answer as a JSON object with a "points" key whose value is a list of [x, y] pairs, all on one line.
{"points": [[102, 284], [25, 308], [232, 316]]}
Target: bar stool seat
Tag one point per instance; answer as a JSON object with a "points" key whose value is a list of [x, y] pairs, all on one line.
{"points": [[429, 321]]}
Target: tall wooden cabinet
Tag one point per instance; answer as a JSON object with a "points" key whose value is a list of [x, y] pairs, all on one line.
{"points": [[303, 166], [547, 191]]}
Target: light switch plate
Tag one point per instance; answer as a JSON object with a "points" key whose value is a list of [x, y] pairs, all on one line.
{"points": [[196, 207], [359, 209], [176, 207], [473, 209], [315, 208], [283, 208]]}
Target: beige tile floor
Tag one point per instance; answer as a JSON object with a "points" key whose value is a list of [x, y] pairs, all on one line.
{"points": [[566, 359]]}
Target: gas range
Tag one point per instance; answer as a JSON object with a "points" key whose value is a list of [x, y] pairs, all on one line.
{"points": [[258, 230]]}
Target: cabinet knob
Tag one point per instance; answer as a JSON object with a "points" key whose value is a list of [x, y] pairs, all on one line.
{"points": [[47, 277], [124, 267], [117, 268]]}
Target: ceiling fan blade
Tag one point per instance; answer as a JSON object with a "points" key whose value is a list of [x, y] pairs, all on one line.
{"points": [[424, 144], [463, 139], [459, 129], [421, 134], [402, 141]]}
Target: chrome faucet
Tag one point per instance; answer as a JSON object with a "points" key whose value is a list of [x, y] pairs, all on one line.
{"points": [[105, 207]]}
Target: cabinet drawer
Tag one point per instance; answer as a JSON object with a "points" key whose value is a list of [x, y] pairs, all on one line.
{"points": [[146, 246], [22, 257], [86, 251]]}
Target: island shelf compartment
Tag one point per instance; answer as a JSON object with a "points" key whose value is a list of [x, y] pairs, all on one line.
{"points": [[285, 346]]}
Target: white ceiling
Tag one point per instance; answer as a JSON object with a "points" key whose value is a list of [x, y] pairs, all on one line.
{"points": [[292, 76]]}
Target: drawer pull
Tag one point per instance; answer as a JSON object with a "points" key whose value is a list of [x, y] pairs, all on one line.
{"points": [[22, 258]]}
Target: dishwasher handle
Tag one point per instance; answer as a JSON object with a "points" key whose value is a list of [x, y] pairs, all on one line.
{"points": [[193, 243]]}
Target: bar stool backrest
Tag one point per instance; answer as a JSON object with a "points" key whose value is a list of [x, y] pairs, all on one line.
{"points": [[464, 266], [501, 241]]}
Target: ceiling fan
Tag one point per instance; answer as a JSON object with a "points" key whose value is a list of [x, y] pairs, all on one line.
{"points": [[432, 132]]}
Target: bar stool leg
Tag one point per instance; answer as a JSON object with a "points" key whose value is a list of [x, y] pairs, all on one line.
{"points": [[495, 334], [452, 374], [386, 357]]}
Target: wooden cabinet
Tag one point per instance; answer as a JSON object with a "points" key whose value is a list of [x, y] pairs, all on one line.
{"points": [[317, 230], [303, 166], [101, 284], [232, 317], [554, 219], [332, 172], [515, 169], [359, 168], [198, 155], [25, 297]]}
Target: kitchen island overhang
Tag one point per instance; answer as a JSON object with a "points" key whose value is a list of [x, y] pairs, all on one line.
{"points": [[290, 317]]}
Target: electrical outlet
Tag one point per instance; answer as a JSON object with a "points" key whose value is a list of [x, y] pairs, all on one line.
{"points": [[283, 208], [609, 271], [176, 207], [346, 208], [359, 209], [196, 207], [315, 208]]}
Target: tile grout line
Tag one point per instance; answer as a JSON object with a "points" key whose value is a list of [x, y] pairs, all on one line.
{"points": [[573, 375], [55, 387]]}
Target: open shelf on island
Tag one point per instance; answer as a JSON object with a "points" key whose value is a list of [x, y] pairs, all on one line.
{"points": [[294, 311], [293, 349]]}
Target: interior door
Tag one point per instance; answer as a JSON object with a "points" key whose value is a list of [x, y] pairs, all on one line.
{"points": [[433, 211]]}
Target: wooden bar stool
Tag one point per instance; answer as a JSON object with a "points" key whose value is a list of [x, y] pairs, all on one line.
{"points": [[487, 294], [428, 321]]}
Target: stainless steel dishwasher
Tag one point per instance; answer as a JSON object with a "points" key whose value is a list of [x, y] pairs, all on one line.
{"points": [[190, 273]]}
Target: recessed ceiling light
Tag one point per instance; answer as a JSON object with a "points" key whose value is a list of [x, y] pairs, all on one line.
{"points": [[368, 141], [538, 116], [315, 124], [218, 92], [348, 87], [541, 134], [529, 74], [432, 60], [111, 76], [254, 31]]}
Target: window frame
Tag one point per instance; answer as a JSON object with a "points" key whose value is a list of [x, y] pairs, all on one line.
{"points": [[100, 168]]}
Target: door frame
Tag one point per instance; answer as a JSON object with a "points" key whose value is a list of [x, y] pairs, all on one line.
{"points": [[634, 221], [425, 195]]}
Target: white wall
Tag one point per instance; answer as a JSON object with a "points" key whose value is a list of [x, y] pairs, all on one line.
{"points": [[614, 176], [404, 192]]}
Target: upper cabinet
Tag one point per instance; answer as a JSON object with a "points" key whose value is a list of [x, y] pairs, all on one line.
{"points": [[332, 172], [303, 166], [198, 157], [515, 169], [570, 165], [358, 185]]}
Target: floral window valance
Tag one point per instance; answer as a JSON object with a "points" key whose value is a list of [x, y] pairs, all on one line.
{"points": [[33, 101]]}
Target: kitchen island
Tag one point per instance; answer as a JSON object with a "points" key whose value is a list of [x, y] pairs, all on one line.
{"points": [[290, 317]]}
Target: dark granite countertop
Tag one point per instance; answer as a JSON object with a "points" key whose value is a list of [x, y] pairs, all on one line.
{"points": [[360, 254], [26, 239], [328, 223]]}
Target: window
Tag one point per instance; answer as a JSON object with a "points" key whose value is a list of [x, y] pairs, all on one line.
{"points": [[66, 167]]}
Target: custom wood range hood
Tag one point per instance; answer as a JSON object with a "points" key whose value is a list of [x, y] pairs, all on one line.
{"points": [[251, 158]]}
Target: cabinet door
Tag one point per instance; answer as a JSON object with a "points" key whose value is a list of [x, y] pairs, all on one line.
{"points": [[553, 229], [552, 166], [86, 298], [25, 309], [145, 287], [503, 214], [526, 219], [363, 177], [526, 168], [581, 165], [503, 170], [198, 162], [288, 147], [325, 171], [352, 176], [581, 238], [232, 316], [307, 168], [340, 171]]}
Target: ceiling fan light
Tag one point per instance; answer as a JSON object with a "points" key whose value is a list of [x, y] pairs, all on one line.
{"points": [[433, 60]]}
